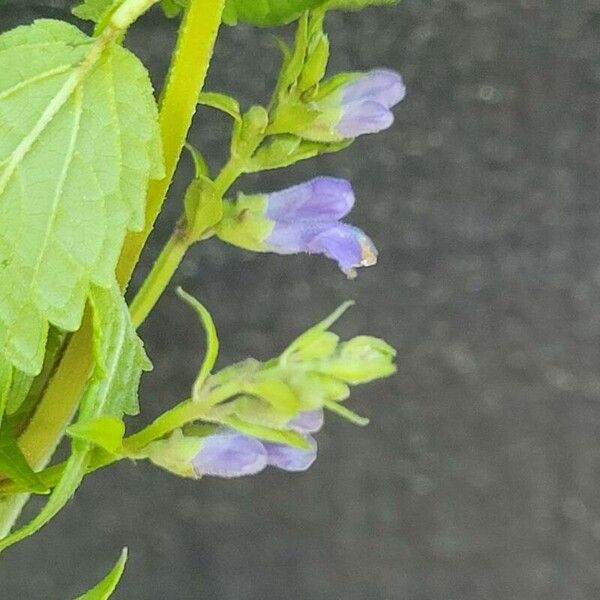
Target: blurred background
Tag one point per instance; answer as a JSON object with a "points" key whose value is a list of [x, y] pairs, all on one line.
{"points": [[479, 477]]}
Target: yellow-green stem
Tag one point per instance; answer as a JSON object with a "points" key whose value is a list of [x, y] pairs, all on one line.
{"points": [[173, 253], [180, 415], [159, 277]]}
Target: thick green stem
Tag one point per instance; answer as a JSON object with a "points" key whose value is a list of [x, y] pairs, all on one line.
{"points": [[188, 71]]}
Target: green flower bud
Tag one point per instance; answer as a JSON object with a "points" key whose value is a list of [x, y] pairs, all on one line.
{"points": [[315, 389], [203, 208], [244, 223], [249, 134], [360, 360]]}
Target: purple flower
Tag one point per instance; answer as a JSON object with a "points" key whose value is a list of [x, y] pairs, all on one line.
{"points": [[291, 459], [306, 218], [228, 453], [348, 105], [309, 421], [366, 102]]}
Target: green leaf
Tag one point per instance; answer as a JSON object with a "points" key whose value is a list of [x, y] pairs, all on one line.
{"points": [[356, 4], [111, 391], [6, 379], [94, 10], [266, 12], [25, 390], [221, 102], [212, 340], [104, 589], [200, 166], [120, 359], [105, 432], [172, 8], [79, 142], [15, 465]]}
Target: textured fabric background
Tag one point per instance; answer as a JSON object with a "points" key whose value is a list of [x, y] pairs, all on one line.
{"points": [[479, 476]]}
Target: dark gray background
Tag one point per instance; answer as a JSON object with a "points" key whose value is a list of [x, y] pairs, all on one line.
{"points": [[478, 478]]}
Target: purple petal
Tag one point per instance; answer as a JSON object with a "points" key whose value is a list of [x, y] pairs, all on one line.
{"points": [[230, 454], [347, 245], [309, 421], [382, 86], [322, 198], [292, 459], [364, 117], [291, 238]]}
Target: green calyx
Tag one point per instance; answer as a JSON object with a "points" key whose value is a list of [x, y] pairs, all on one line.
{"points": [[244, 224]]}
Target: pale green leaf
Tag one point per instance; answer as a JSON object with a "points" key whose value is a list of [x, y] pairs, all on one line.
{"points": [[104, 589], [120, 359], [105, 432], [15, 465], [25, 390], [266, 12], [112, 391], [221, 102], [200, 166], [79, 142], [212, 339], [6, 379], [172, 8], [20, 387], [356, 4], [94, 10]]}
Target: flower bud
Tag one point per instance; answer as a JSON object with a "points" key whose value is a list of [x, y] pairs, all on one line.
{"points": [[347, 106], [360, 360]]}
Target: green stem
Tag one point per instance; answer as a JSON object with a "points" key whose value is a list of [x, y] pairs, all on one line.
{"points": [[228, 175], [180, 415], [192, 56], [174, 252], [159, 277]]}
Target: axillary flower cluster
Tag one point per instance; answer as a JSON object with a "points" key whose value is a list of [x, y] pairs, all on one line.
{"points": [[87, 155], [307, 217]]}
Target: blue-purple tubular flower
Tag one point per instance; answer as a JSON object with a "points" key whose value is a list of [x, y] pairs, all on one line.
{"points": [[309, 421], [291, 459], [228, 453], [366, 102], [306, 218]]}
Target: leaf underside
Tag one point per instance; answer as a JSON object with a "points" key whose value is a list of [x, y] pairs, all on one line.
{"points": [[79, 143]]}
